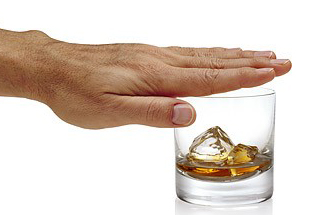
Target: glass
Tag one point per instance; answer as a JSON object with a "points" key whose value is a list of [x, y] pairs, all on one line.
{"points": [[264, 208], [226, 156]]}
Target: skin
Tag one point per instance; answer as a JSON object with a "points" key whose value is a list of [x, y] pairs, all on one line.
{"points": [[100, 86]]}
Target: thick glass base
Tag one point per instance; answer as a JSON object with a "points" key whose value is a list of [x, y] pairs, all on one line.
{"points": [[247, 191]]}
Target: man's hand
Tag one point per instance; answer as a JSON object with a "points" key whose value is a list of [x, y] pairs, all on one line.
{"points": [[99, 86]]}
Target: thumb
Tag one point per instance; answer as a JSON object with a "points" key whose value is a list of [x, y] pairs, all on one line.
{"points": [[158, 111]]}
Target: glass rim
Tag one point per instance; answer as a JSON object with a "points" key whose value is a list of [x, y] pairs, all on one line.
{"points": [[251, 92]]}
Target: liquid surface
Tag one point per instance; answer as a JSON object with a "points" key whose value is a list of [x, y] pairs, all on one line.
{"points": [[225, 173]]}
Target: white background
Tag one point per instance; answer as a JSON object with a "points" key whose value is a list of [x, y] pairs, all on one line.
{"points": [[49, 167]]}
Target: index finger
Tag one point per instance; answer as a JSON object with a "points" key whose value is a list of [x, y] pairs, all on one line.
{"points": [[221, 52], [203, 81]]}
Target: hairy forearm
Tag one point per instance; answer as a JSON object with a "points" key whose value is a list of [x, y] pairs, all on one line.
{"points": [[20, 63], [9, 74]]}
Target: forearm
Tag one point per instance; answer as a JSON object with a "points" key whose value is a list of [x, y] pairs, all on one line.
{"points": [[8, 75], [19, 64]]}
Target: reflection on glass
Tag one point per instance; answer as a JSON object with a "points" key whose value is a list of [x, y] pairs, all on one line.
{"points": [[263, 208]]}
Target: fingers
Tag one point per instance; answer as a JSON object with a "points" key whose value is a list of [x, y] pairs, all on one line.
{"points": [[199, 52], [221, 52], [281, 66], [245, 54], [159, 111], [200, 82], [156, 111]]}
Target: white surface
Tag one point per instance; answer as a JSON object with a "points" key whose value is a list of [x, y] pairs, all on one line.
{"points": [[49, 167]]}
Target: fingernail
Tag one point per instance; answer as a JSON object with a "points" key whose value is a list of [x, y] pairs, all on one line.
{"points": [[265, 70], [182, 114], [279, 61], [263, 54]]}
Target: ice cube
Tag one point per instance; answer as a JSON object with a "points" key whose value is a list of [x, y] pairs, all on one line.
{"points": [[213, 145], [242, 154]]}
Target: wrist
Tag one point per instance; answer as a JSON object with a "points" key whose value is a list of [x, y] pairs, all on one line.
{"points": [[20, 64]]}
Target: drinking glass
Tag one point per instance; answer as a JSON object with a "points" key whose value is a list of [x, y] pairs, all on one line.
{"points": [[226, 156]]}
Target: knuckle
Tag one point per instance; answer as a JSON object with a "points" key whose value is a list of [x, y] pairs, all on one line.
{"points": [[243, 72], [195, 52], [174, 48], [133, 60], [34, 33], [216, 63], [208, 53], [191, 51], [150, 51], [210, 77], [148, 67], [242, 76], [259, 61], [145, 48], [155, 111], [240, 54], [152, 75], [137, 45], [217, 49], [249, 62], [192, 61], [136, 48], [254, 61]]}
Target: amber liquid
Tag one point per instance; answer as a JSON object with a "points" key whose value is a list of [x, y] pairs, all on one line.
{"points": [[213, 172]]}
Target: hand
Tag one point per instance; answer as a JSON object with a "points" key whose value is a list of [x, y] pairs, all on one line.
{"points": [[99, 86]]}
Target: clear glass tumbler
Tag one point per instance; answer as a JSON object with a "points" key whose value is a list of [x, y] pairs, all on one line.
{"points": [[226, 156]]}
